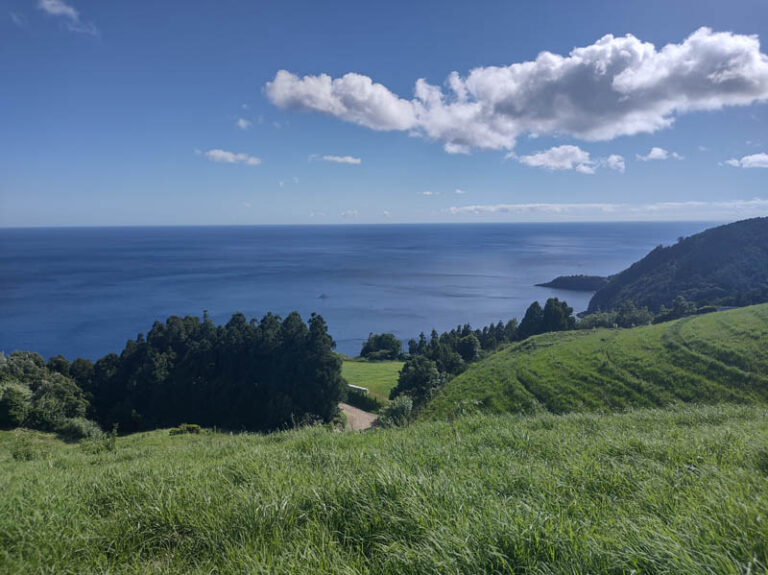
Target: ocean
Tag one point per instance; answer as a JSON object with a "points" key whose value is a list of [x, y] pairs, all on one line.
{"points": [[83, 292]]}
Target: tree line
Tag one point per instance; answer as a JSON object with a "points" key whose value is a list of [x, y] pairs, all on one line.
{"points": [[256, 375]]}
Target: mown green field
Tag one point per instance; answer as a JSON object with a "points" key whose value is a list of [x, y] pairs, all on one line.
{"points": [[666, 491], [378, 376], [717, 357]]}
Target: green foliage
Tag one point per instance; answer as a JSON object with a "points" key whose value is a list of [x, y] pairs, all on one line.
{"points": [[257, 375], [397, 413], [717, 357], [419, 380], [678, 491], [15, 404], [726, 265], [42, 397], [381, 347], [532, 322]]}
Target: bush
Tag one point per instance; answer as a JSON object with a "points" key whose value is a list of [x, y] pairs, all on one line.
{"points": [[398, 413], [185, 428], [77, 428], [382, 346], [15, 404]]}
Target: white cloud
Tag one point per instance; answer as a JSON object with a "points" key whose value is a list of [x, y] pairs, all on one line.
{"points": [[348, 214], [688, 210], [71, 16], [343, 159], [385, 213], [752, 161], [243, 124], [614, 87], [459, 192], [558, 158], [614, 162], [570, 158], [429, 193], [225, 157], [658, 154]]}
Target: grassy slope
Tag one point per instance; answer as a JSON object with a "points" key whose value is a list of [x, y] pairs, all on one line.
{"points": [[679, 491], [710, 358], [378, 376]]}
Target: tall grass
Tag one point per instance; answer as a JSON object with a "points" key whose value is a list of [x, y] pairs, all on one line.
{"points": [[649, 491]]}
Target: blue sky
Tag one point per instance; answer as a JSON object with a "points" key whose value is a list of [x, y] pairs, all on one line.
{"points": [[127, 113]]}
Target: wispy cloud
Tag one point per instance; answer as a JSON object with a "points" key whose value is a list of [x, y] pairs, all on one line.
{"points": [[459, 192], [243, 124], [225, 157], [640, 89], [19, 20], [687, 210], [343, 160], [348, 214], [429, 193], [659, 154], [69, 16], [752, 161]]}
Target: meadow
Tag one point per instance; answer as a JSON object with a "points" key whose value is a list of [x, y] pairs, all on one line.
{"points": [[649, 491], [716, 357], [378, 376]]}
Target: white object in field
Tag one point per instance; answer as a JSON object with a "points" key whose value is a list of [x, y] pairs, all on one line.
{"points": [[358, 389]]}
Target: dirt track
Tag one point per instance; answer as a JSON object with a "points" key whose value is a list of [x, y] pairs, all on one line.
{"points": [[357, 419]]}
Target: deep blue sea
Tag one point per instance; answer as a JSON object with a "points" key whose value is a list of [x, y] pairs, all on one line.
{"points": [[83, 292]]}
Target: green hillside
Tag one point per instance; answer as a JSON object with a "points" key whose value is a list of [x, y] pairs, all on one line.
{"points": [[711, 358], [679, 491], [378, 376], [726, 265]]}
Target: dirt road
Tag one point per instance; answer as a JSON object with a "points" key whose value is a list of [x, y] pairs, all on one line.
{"points": [[357, 419]]}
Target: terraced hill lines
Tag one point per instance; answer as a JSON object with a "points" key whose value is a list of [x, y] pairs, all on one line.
{"points": [[718, 357]]}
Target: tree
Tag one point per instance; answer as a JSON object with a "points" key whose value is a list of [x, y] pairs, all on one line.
{"points": [[418, 379], [532, 321], [15, 403], [469, 348], [382, 346], [557, 316]]}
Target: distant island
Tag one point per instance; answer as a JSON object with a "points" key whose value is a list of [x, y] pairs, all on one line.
{"points": [[577, 283]]}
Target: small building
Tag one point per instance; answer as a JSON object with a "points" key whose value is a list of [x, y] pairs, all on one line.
{"points": [[357, 389]]}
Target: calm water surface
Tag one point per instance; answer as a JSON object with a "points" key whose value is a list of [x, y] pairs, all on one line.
{"points": [[83, 292]]}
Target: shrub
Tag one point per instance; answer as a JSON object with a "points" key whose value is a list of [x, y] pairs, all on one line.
{"points": [[185, 428], [398, 413], [76, 428]]}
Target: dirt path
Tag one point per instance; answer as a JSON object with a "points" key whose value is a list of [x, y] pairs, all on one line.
{"points": [[357, 419]]}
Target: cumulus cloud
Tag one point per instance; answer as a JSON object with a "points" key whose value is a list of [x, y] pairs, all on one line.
{"points": [[69, 14], [615, 87], [658, 154], [243, 124], [225, 157], [752, 161], [570, 158], [690, 210], [343, 160]]}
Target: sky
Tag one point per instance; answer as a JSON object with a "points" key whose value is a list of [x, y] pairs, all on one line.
{"points": [[239, 112]]}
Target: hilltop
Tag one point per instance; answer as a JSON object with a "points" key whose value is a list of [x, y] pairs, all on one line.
{"points": [[717, 357], [726, 265]]}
